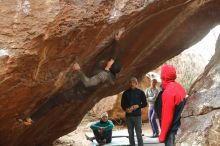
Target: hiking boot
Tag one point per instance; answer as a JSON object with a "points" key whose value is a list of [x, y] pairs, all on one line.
{"points": [[102, 142], [155, 135]]}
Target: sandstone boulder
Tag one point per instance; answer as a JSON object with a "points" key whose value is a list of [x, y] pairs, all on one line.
{"points": [[42, 38]]}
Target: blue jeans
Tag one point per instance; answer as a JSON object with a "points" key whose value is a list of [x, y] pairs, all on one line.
{"points": [[152, 119], [170, 140], [107, 135], [134, 122]]}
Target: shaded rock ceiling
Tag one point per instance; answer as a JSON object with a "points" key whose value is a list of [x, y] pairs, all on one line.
{"points": [[41, 38]]}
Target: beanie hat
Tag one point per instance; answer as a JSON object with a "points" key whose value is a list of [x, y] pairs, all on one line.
{"points": [[133, 79], [104, 114]]}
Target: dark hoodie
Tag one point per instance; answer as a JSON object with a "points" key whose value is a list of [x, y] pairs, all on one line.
{"points": [[133, 97], [172, 101]]}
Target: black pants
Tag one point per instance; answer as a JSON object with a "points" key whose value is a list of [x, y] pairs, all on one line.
{"points": [[104, 135], [170, 140]]}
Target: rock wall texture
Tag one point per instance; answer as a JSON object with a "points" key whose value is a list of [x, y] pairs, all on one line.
{"points": [[39, 39], [200, 125]]}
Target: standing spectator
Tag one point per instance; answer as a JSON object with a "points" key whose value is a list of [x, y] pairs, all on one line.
{"points": [[151, 94], [133, 99], [173, 101], [103, 129]]}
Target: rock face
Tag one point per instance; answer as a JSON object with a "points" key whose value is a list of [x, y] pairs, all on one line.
{"points": [[200, 125], [39, 39]]}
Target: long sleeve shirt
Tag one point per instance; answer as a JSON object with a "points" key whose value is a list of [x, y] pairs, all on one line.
{"points": [[133, 97], [108, 125], [151, 95]]}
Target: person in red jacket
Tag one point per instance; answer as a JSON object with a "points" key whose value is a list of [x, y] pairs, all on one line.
{"points": [[173, 101]]}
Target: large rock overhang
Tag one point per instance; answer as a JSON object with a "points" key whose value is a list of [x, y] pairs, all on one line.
{"points": [[43, 38]]}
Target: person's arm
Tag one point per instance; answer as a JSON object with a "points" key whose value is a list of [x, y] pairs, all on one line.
{"points": [[143, 100], [95, 126], [101, 77], [110, 126], [168, 107], [123, 101]]}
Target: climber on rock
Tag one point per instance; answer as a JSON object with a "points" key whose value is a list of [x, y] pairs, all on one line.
{"points": [[107, 74], [112, 67]]}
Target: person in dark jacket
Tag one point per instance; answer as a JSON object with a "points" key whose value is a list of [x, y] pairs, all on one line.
{"points": [[132, 101], [103, 129], [173, 101]]}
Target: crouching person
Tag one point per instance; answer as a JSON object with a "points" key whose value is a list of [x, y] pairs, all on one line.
{"points": [[103, 129]]}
